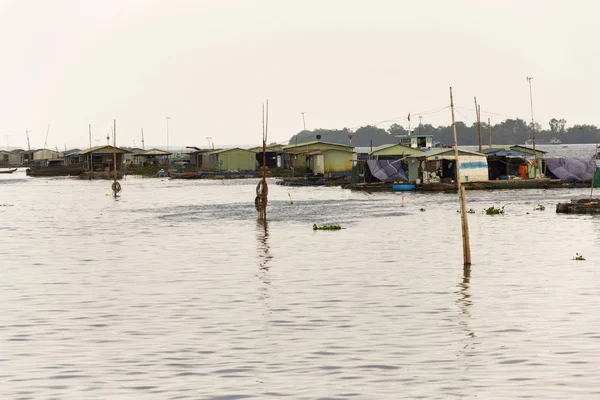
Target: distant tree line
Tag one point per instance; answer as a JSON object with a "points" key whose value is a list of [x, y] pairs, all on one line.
{"points": [[510, 131]]}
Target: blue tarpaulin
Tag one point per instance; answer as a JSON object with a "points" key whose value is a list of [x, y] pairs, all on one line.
{"points": [[387, 171], [572, 169]]}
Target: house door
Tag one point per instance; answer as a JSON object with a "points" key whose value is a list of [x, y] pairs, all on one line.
{"points": [[319, 164]]}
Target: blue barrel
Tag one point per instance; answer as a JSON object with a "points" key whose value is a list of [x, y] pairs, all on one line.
{"points": [[403, 187]]}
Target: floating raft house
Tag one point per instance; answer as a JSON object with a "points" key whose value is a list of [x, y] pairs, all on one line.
{"points": [[579, 206]]}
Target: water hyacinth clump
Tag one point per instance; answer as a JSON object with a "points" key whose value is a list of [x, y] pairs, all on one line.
{"points": [[326, 227], [578, 257], [494, 211]]}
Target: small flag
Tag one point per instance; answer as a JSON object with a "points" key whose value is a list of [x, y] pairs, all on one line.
{"points": [[408, 117]]}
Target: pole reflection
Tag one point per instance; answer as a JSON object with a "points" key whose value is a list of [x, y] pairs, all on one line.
{"points": [[464, 301], [264, 257], [467, 353]]}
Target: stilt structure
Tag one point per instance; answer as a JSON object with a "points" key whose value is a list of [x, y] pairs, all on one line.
{"points": [[116, 186], [262, 189]]}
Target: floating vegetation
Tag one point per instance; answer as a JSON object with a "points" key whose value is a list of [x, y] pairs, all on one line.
{"points": [[578, 257], [422, 209], [494, 211], [6, 205], [326, 227], [539, 207], [471, 211]]}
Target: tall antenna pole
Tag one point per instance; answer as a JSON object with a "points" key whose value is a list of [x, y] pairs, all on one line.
{"points": [[303, 123], [46, 140], [478, 111], [143, 143], [490, 132], [537, 166], [461, 194], [90, 155], [28, 144]]}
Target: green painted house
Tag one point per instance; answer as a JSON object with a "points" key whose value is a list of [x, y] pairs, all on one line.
{"points": [[321, 157], [235, 159]]}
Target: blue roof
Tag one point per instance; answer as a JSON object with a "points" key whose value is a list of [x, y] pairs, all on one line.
{"points": [[506, 153]]}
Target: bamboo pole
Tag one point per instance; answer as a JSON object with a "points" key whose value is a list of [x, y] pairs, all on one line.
{"points": [[116, 187], [461, 193], [594, 176], [478, 112], [115, 149], [90, 155], [262, 189]]}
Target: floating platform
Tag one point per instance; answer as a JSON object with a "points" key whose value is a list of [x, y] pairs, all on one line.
{"points": [[579, 206], [485, 185]]}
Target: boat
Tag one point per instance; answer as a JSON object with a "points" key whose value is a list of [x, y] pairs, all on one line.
{"points": [[7, 171], [184, 175], [54, 168], [555, 141], [403, 187]]}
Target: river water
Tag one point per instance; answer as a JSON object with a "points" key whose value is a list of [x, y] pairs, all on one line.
{"points": [[175, 291]]}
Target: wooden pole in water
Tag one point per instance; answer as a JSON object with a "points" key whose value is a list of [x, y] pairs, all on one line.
{"points": [[490, 132], [115, 187], [478, 112], [262, 190], [115, 149], [461, 194], [90, 155], [594, 176]]}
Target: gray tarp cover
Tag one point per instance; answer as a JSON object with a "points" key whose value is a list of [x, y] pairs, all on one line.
{"points": [[572, 169], [387, 171]]}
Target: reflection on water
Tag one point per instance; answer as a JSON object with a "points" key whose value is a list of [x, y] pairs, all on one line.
{"points": [[264, 257], [464, 301], [177, 292]]}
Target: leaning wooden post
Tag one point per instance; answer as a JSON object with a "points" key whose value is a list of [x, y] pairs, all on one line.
{"points": [[262, 189], [461, 194]]}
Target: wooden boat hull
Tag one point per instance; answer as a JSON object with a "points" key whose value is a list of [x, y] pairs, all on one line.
{"points": [[54, 171], [7, 171]]}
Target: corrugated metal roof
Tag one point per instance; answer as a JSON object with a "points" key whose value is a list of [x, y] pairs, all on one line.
{"points": [[106, 149], [445, 152], [387, 146], [226, 150], [154, 153], [505, 153], [518, 146], [270, 148], [316, 142]]}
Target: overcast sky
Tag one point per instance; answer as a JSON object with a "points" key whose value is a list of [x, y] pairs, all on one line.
{"points": [[209, 65]]}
